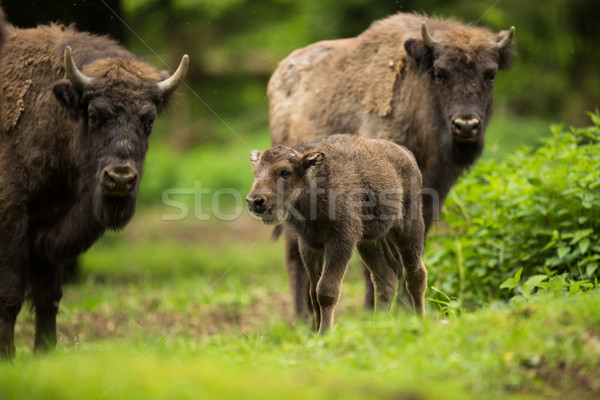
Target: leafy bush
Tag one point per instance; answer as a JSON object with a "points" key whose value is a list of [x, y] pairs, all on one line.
{"points": [[538, 210]]}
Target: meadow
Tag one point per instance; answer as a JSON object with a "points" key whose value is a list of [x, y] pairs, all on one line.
{"points": [[191, 300]]}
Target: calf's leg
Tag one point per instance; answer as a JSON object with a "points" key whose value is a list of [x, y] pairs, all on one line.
{"points": [[337, 257], [313, 260], [410, 243], [299, 280], [384, 276], [369, 302]]}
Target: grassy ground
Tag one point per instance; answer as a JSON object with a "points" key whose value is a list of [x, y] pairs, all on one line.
{"points": [[190, 310], [186, 308]]}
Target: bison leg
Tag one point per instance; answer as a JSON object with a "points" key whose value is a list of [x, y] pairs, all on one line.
{"points": [[12, 293], [313, 260], [299, 282], [46, 292], [337, 257], [369, 302], [395, 261], [13, 261], [410, 243], [384, 276]]}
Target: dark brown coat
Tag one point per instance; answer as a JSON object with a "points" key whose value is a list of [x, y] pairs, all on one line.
{"points": [[429, 89], [71, 156], [340, 193]]}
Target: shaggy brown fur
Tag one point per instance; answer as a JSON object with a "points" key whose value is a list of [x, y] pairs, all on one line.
{"points": [[70, 161], [340, 193], [387, 83]]}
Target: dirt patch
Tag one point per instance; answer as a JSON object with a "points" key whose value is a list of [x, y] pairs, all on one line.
{"points": [[198, 321]]}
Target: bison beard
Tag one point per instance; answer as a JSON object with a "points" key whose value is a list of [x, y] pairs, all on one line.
{"points": [[424, 83], [77, 114], [113, 212]]}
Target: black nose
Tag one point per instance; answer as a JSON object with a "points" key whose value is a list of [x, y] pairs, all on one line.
{"points": [[256, 204], [119, 179], [466, 127]]}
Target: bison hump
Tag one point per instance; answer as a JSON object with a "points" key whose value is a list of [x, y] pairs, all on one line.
{"points": [[377, 76]]}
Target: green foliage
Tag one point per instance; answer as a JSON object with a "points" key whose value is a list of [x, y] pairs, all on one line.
{"points": [[545, 283], [537, 212]]}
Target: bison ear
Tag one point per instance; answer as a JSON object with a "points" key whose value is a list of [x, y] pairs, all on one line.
{"points": [[422, 55], [254, 156], [68, 96], [507, 48], [311, 160]]}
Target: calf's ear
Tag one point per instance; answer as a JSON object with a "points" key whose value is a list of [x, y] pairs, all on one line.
{"points": [[68, 96], [311, 160], [254, 156], [422, 55]]}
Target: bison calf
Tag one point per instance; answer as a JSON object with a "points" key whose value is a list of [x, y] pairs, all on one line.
{"points": [[340, 193]]}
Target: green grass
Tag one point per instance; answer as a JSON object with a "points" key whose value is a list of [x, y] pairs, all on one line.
{"points": [[546, 348]]}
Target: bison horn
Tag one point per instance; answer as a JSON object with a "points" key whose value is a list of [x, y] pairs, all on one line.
{"points": [[77, 78], [429, 41], [507, 40], [171, 83]]}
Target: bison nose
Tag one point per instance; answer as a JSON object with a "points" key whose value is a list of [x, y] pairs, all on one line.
{"points": [[256, 204], [466, 128], [119, 180]]}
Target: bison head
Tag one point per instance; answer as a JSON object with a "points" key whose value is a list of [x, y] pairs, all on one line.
{"points": [[280, 175], [115, 103], [461, 64]]}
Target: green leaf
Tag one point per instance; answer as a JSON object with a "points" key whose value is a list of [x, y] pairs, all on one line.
{"points": [[584, 244], [513, 282], [562, 251], [535, 281], [591, 268]]}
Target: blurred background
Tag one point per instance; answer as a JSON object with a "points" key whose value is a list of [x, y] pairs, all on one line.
{"points": [[234, 45]]}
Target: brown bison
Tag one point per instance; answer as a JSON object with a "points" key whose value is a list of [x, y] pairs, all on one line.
{"points": [[340, 193], [421, 82], [77, 115]]}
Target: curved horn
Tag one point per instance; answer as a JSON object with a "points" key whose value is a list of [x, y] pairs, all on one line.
{"points": [[429, 41], [171, 83], [507, 40], [77, 78]]}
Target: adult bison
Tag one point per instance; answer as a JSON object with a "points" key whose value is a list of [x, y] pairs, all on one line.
{"points": [[422, 82], [77, 114]]}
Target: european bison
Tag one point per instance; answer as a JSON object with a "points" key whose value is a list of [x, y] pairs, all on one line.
{"points": [[421, 82], [340, 193], [77, 114]]}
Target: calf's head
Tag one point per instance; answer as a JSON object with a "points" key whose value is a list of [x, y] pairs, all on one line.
{"points": [[115, 103], [460, 64], [281, 174]]}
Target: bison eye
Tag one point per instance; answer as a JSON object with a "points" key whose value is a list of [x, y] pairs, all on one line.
{"points": [[439, 75], [285, 174], [489, 76], [92, 118], [148, 126]]}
